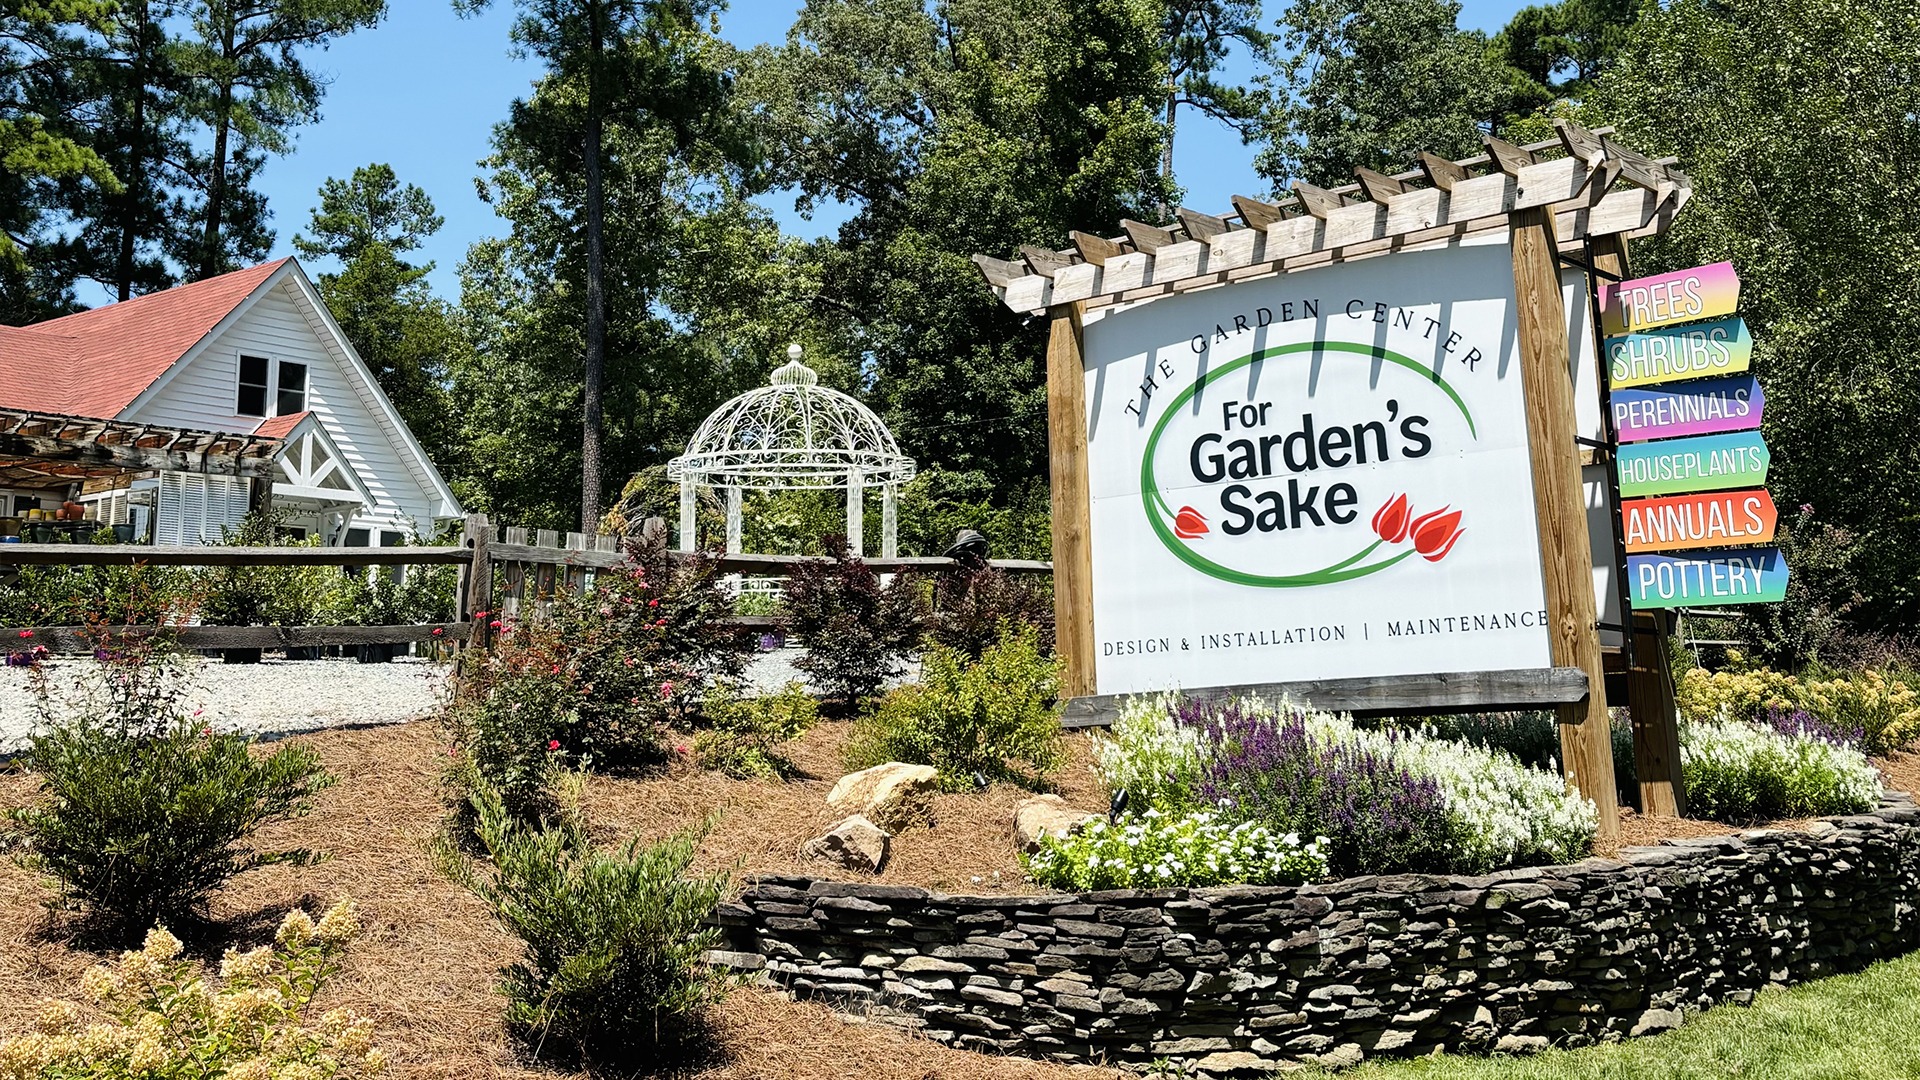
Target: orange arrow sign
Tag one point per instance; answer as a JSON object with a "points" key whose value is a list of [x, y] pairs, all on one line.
{"points": [[1717, 519]]}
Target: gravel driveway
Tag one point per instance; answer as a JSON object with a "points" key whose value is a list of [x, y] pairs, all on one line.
{"points": [[301, 695]]}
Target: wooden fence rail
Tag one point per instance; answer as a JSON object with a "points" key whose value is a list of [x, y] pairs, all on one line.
{"points": [[525, 570]]}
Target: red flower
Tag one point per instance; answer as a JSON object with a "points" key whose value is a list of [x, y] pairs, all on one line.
{"points": [[653, 603], [1435, 534], [437, 631], [1390, 521], [26, 633], [1189, 523], [495, 624], [666, 689], [553, 744]]}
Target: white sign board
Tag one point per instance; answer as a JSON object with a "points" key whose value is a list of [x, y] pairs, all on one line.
{"points": [[1317, 475]]}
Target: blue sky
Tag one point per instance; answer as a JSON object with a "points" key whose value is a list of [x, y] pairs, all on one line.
{"points": [[423, 90]]}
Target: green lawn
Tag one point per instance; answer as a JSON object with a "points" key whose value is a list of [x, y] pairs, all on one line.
{"points": [[1851, 1027]]}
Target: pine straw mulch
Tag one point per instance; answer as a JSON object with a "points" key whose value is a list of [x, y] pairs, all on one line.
{"points": [[423, 969]]}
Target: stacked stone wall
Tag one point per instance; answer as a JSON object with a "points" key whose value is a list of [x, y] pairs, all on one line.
{"points": [[1238, 980]]}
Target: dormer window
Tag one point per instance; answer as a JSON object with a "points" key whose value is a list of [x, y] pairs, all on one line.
{"points": [[253, 386], [293, 389], [261, 381]]}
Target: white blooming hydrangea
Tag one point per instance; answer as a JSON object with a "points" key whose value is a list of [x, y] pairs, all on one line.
{"points": [[1160, 851], [1738, 771]]}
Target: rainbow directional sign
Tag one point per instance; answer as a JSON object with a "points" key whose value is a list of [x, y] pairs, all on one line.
{"points": [[1695, 351], [1691, 465], [1707, 407], [1751, 576], [1705, 463]]}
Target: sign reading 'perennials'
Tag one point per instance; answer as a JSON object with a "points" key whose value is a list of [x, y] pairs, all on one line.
{"points": [[1318, 475]]}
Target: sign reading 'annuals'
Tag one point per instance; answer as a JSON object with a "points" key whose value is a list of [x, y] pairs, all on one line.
{"points": [[1318, 475]]}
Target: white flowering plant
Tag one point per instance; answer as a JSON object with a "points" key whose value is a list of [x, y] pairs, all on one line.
{"points": [[1152, 850], [1386, 801], [1740, 771], [165, 1018]]}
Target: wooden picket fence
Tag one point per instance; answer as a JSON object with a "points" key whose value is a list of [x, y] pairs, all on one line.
{"points": [[523, 571]]}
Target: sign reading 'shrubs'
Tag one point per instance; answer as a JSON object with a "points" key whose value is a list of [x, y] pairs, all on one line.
{"points": [[1320, 475]]}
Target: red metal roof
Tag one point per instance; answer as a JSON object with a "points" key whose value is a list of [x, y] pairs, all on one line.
{"points": [[95, 363]]}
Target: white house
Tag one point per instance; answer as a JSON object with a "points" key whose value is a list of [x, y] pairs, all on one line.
{"points": [[251, 352]]}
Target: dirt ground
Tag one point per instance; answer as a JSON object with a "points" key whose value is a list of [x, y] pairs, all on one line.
{"points": [[423, 970]]}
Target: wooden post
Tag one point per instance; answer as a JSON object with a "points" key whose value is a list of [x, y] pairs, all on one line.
{"points": [[260, 496], [1650, 694], [1072, 532], [476, 593], [1586, 744]]}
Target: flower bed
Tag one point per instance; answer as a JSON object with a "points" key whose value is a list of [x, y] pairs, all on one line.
{"points": [[1369, 801]]}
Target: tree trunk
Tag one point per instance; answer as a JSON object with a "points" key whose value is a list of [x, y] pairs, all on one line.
{"points": [[210, 260], [596, 286], [1166, 153], [136, 162]]}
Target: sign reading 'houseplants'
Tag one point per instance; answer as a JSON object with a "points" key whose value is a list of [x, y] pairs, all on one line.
{"points": [[1319, 475], [1694, 440]]}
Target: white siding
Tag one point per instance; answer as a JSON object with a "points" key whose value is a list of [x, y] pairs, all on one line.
{"points": [[202, 395]]}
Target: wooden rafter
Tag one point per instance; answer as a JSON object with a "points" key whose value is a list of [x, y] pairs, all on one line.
{"points": [[64, 448], [1441, 200]]}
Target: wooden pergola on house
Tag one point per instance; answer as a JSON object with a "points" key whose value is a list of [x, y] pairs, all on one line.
{"points": [[66, 454], [1572, 201]]}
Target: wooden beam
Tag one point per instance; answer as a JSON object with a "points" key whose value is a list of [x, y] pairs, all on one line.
{"points": [[1586, 741], [1639, 169], [1581, 143], [1096, 249], [1072, 531], [214, 555], [1045, 261], [1508, 158], [1148, 238], [95, 455], [1199, 226], [750, 563], [1257, 214], [1479, 691], [998, 271], [1378, 186], [1318, 200], [76, 639]]}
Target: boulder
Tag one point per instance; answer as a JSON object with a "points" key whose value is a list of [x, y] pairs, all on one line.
{"points": [[854, 842], [891, 794], [1047, 815]]}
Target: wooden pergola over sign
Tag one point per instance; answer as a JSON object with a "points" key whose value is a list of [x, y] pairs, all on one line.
{"points": [[1572, 201]]}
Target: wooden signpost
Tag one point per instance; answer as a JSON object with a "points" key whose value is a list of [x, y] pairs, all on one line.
{"points": [[1297, 540]]}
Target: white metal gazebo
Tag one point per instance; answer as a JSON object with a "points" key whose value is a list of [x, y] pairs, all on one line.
{"points": [[793, 435]]}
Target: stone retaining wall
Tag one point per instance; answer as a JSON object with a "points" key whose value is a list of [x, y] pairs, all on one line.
{"points": [[1237, 980]]}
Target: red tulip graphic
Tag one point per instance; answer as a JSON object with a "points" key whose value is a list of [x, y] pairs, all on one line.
{"points": [[1188, 523], [1435, 534], [1390, 521]]}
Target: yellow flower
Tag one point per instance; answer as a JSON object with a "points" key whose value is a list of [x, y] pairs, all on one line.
{"points": [[253, 964], [161, 946], [295, 929], [148, 1055], [340, 923], [253, 1069], [103, 1040], [101, 983], [374, 1063], [357, 1039], [57, 1018], [335, 1021]]}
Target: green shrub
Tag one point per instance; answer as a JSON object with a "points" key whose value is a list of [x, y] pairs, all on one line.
{"points": [[168, 1021], [1740, 772], [857, 631], [611, 968], [745, 733], [998, 716], [144, 811]]}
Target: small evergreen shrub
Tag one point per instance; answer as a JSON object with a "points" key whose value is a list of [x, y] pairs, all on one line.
{"points": [[1192, 850], [998, 717], [144, 811], [168, 1020], [611, 969], [1738, 772], [744, 734], [973, 608], [857, 631]]}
